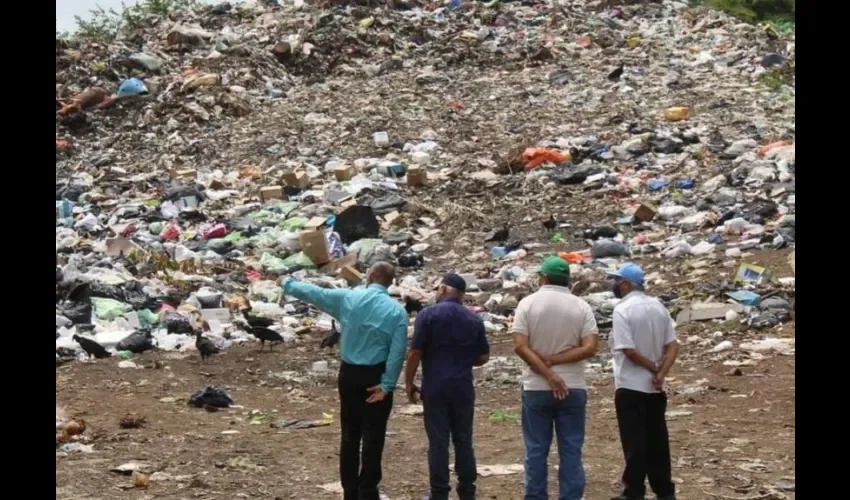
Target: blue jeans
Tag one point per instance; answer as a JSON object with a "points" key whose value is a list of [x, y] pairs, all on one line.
{"points": [[445, 420], [540, 413]]}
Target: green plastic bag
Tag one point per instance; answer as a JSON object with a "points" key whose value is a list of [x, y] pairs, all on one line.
{"points": [[148, 318], [298, 260], [109, 309], [272, 264], [295, 223]]}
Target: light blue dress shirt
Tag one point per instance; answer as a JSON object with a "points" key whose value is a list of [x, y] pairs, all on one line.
{"points": [[374, 325]]}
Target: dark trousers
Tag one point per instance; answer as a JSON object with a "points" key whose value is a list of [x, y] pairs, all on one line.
{"points": [[361, 421], [446, 420], [646, 444]]}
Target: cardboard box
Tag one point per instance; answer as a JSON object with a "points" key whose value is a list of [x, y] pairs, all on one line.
{"points": [[271, 193], [296, 179], [394, 218], [749, 273], [344, 172], [351, 275], [315, 223], [792, 260], [348, 203], [186, 174], [645, 213], [315, 246], [416, 176], [221, 315], [706, 311], [334, 266]]}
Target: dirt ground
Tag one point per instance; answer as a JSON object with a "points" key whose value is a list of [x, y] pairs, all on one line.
{"points": [[737, 439]]}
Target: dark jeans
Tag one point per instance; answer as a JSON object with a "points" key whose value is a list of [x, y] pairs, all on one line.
{"points": [[361, 421], [646, 444], [444, 420], [541, 412]]}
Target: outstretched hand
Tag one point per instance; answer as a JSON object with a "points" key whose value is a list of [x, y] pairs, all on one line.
{"points": [[377, 394]]}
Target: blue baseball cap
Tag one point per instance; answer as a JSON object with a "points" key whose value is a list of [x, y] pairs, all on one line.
{"points": [[630, 272]]}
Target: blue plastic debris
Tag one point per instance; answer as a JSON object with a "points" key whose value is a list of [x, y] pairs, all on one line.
{"points": [[133, 86], [745, 297], [687, 183], [656, 184], [715, 239]]}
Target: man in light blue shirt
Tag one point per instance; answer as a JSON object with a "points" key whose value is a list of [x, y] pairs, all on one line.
{"points": [[372, 347]]}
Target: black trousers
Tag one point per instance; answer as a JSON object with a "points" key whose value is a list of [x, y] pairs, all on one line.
{"points": [[646, 444], [361, 421], [445, 421]]}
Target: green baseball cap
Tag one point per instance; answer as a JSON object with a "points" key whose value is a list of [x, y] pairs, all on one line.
{"points": [[555, 266]]}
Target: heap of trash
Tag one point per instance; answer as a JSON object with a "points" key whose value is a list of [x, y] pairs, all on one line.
{"points": [[202, 155]]}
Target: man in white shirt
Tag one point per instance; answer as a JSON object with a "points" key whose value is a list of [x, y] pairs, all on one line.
{"points": [[643, 342], [554, 332]]}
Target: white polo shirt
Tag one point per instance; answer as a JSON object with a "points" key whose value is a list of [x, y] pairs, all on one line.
{"points": [[641, 323], [554, 320]]}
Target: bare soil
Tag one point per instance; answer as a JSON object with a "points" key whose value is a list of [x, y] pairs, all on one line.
{"points": [[737, 440]]}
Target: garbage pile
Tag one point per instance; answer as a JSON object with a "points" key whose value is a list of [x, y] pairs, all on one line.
{"points": [[205, 154]]}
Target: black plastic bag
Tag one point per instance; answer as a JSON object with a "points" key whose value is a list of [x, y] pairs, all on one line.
{"points": [[136, 342], [177, 323], [77, 313], [356, 223], [212, 396], [411, 259]]}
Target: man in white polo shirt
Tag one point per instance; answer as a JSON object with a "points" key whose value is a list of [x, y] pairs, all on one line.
{"points": [[643, 342], [554, 332]]}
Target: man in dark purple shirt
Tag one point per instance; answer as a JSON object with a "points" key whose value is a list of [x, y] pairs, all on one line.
{"points": [[449, 340]]}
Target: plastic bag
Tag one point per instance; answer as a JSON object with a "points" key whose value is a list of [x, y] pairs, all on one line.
{"points": [[78, 313], [178, 323], [298, 261], [210, 396], [370, 251], [148, 318], [608, 248], [272, 264], [269, 291], [109, 309], [294, 224], [136, 342]]}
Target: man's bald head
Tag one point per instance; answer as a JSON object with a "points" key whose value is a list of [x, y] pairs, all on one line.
{"points": [[382, 273]]}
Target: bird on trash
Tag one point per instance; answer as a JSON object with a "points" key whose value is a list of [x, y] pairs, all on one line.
{"points": [[91, 347], [499, 236], [550, 224], [263, 333], [332, 338], [205, 346], [257, 321], [616, 74]]}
